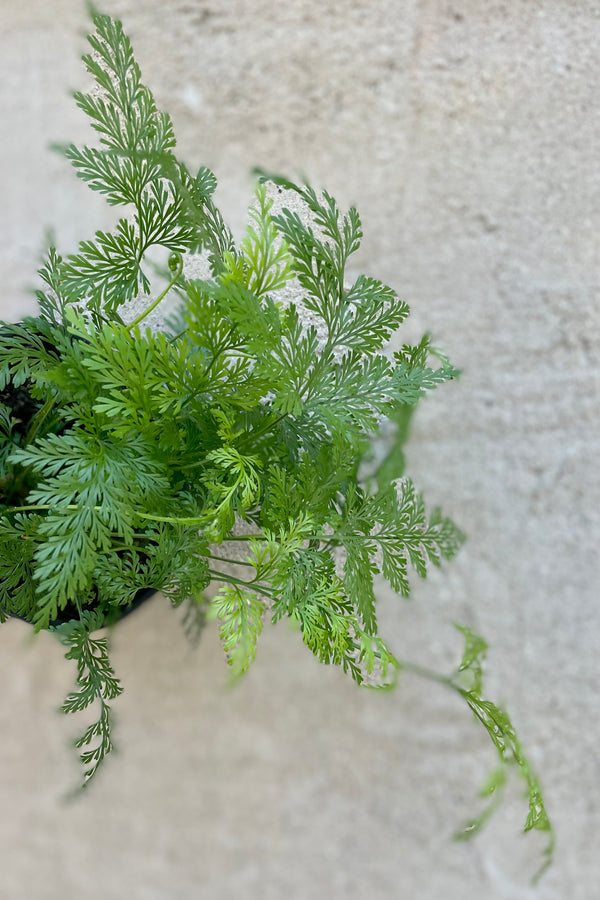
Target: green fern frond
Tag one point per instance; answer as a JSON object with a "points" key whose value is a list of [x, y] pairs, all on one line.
{"points": [[96, 684], [240, 613]]}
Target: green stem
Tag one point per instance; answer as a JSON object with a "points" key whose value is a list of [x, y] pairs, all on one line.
{"points": [[268, 426], [32, 507], [235, 562], [230, 579], [421, 671], [141, 536], [171, 520], [160, 297], [429, 674], [38, 419]]}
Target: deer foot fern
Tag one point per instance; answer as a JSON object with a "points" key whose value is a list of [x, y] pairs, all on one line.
{"points": [[244, 423]]}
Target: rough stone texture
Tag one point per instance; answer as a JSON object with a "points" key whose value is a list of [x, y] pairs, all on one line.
{"points": [[467, 134]]}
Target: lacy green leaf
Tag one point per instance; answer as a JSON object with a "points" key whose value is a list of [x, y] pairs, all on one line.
{"points": [[96, 685]]}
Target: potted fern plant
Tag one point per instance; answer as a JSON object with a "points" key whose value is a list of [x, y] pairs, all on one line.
{"points": [[133, 459]]}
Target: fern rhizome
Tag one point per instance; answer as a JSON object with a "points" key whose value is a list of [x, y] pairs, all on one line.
{"points": [[134, 458]]}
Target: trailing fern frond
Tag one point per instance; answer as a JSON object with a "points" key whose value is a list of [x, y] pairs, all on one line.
{"points": [[500, 729], [96, 684]]}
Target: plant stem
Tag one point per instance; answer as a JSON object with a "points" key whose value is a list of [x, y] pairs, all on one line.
{"points": [[32, 507], [235, 562], [160, 297], [268, 426], [429, 674], [171, 520], [150, 516], [38, 419], [421, 671], [230, 579]]}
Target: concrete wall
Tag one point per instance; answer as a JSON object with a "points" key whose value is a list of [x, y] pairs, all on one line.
{"points": [[467, 133]]}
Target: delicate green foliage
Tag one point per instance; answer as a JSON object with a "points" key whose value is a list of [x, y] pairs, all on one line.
{"points": [[233, 485], [361, 318], [127, 456], [134, 167], [263, 266], [17, 587], [25, 352], [325, 617], [500, 729], [471, 663], [240, 613], [53, 303], [377, 660], [393, 522], [272, 554], [108, 270], [126, 116], [91, 489], [96, 683]]}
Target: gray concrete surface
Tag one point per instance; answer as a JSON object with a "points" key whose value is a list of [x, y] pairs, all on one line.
{"points": [[467, 133]]}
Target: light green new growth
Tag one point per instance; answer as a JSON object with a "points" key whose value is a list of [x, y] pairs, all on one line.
{"points": [[149, 449]]}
